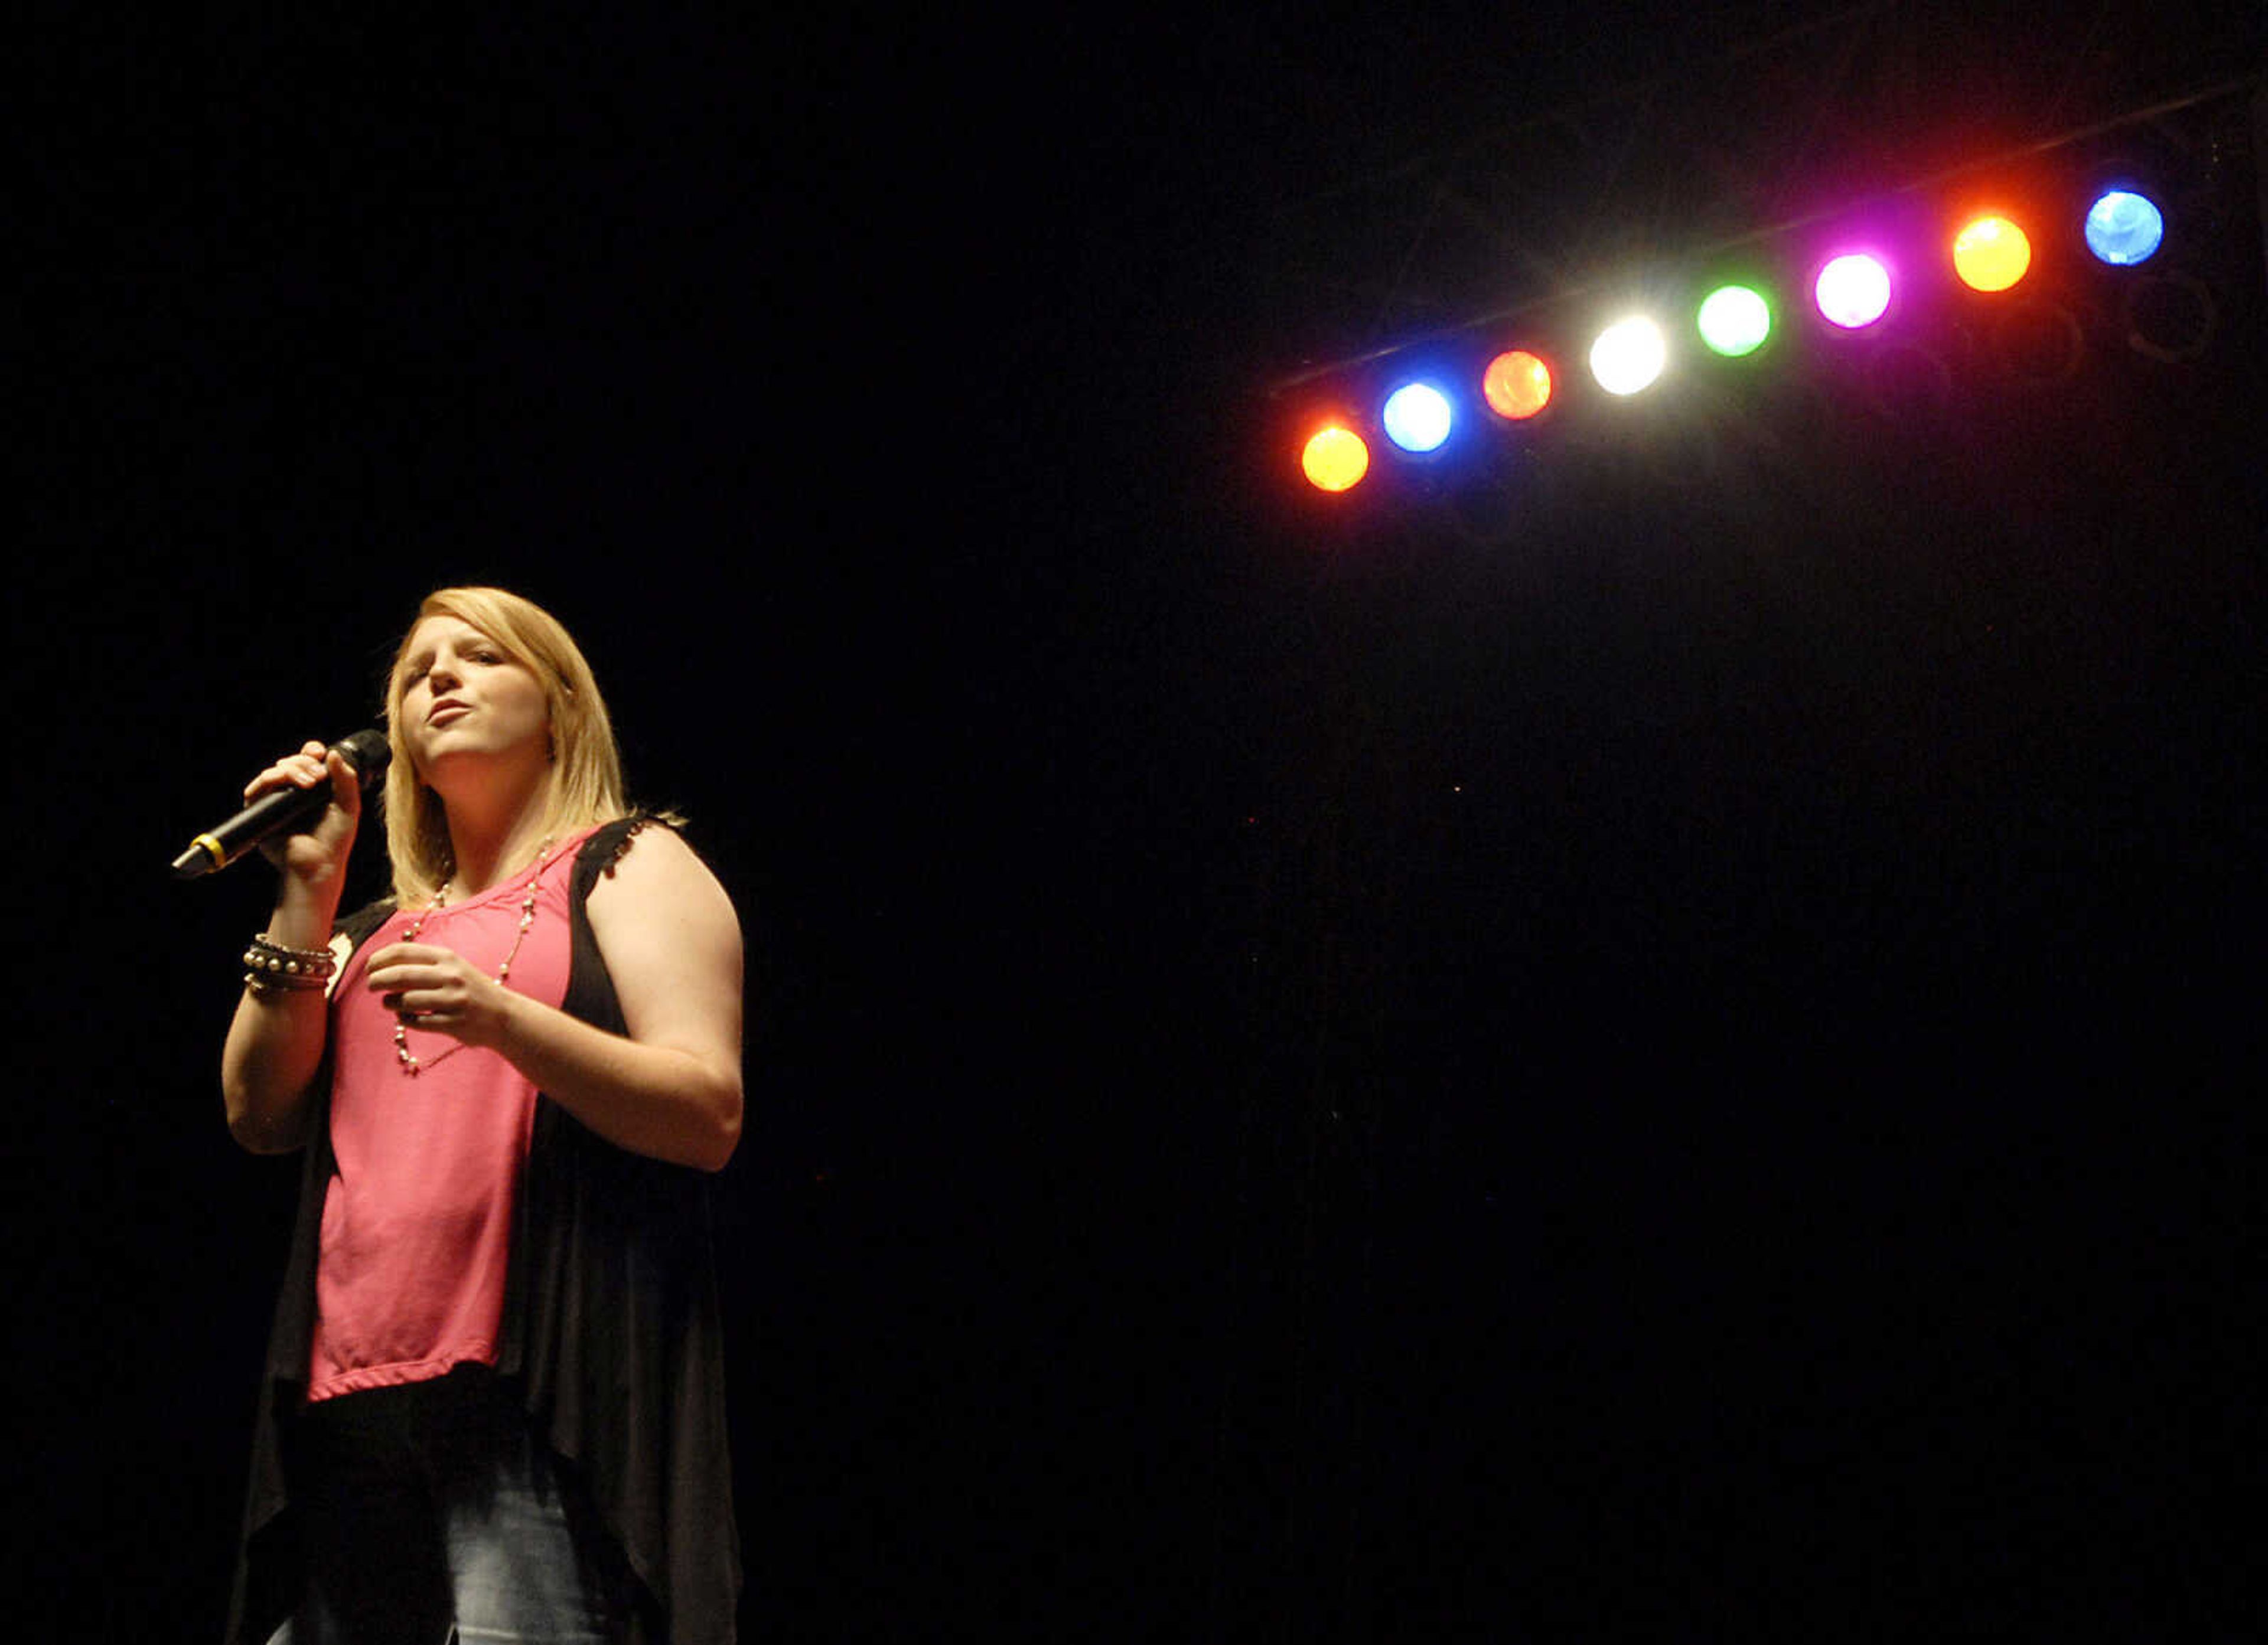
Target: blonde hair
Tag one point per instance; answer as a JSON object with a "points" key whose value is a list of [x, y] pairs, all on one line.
{"points": [[586, 769]]}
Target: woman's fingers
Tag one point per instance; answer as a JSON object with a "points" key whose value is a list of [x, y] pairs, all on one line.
{"points": [[433, 988], [403, 968], [323, 839], [302, 770], [346, 786]]}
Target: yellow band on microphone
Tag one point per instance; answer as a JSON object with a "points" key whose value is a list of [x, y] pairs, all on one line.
{"points": [[212, 850]]}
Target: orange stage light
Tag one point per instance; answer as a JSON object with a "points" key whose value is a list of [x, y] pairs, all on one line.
{"points": [[1517, 385], [1991, 253], [1335, 458]]}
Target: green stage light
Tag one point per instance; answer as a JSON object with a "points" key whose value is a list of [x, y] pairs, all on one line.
{"points": [[1735, 320]]}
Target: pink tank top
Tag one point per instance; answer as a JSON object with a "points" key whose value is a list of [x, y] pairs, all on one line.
{"points": [[416, 1231]]}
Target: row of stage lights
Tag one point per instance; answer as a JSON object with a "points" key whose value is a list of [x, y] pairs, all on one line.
{"points": [[1850, 293]]}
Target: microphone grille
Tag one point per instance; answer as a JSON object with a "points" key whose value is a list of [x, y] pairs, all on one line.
{"points": [[368, 752]]}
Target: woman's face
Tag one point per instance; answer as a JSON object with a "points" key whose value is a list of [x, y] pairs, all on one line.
{"points": [[463, 697]]}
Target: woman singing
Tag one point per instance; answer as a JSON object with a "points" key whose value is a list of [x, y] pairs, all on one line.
{"points": [[494, 1394]]}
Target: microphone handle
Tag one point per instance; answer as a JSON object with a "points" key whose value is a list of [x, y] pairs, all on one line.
{"points": [[284, 811], [280, 813]]}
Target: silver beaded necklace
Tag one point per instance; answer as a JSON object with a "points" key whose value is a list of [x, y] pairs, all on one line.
{"points": [[410, 1066]]}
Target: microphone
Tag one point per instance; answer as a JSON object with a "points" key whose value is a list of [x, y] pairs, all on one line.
{"points": [[282, 811]]}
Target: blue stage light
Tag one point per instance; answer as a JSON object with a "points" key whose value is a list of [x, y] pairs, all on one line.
{"points": [[1417, 417], [2124, 229]]}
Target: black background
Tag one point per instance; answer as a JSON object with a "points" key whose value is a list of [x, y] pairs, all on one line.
{"points": [[1682, 1067]]}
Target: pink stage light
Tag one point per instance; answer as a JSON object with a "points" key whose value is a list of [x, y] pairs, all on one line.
{"points": [[1853, 290]]}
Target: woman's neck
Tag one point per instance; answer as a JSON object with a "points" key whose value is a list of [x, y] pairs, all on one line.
{"points": [[488, 842]]}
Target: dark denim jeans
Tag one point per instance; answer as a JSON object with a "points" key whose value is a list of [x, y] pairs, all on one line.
{"points": [[431, 1508]]}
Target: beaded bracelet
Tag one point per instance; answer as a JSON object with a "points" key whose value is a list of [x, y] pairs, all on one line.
{"points": [[270, 965]]}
